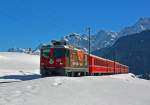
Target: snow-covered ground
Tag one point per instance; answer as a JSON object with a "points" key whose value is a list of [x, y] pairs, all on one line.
{"points": [[18, 62], [104, 90], [122, 89], [18, 66]]}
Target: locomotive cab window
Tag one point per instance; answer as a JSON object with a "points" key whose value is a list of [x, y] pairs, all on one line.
{"points": [[59, 53], [46, 53]]}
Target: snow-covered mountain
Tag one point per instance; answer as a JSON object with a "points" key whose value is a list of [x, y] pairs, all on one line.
{"points": [[37, 49], [77, 40], [141, 25], [103, 39], [106, 38], [21, 50], [97, 41], [132, 50]]}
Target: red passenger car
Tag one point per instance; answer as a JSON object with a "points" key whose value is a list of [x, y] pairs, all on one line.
{"points": [[66, 60]]}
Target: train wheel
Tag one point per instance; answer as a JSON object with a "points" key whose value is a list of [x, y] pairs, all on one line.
{"points": [[68, 74], [43, 73]]}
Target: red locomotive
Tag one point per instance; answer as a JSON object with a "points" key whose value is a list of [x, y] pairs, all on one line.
{"points": [[66, 60]]}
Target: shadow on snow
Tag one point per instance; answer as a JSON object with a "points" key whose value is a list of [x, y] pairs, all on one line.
{"points": [[21, 77]]}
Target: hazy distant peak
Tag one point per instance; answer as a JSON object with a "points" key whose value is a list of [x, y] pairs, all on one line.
{"points": [[143, 21], [141, 25]]}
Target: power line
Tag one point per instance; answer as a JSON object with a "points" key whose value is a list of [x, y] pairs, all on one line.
{"points": [[89, 35]]}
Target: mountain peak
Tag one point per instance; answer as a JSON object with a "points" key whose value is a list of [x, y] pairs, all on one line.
{"points": [[141, 25], [143, 21]]}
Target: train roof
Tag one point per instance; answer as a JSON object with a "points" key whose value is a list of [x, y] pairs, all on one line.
{"points": [[63, 46], [97, 57], [107, 60]]}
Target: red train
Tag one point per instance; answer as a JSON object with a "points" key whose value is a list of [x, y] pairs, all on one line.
{"points": [[65, 60]]}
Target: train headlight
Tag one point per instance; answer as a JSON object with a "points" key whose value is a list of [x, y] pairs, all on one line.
{"points": [[42, 63], [59, 61]]}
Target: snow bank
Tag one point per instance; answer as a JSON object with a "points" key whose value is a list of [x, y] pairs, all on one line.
{"points": [[127, 77], [103, 90], [18, 63]]}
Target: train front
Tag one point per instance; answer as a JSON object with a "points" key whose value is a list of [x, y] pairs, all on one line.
{"points": [[52, 61]]}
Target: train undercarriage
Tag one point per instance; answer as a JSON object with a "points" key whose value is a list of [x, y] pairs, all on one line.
{"points": [[69, 72]]}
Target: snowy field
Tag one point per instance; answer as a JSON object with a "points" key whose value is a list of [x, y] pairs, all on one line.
{"points": [[20, 84]]}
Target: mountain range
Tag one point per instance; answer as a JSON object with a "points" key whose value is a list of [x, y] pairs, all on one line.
{"points": [[99, 40], [104, 38], [132, 50]]}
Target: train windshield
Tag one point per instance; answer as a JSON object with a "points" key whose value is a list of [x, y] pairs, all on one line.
{"points": [[56, 53], [46, 53], [59, 53]]}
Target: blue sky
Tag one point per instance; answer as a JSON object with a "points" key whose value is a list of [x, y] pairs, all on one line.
{"points": [[26, 23]]}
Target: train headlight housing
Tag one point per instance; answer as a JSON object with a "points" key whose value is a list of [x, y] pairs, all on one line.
{"points": [[42, 63], [59, 61]]}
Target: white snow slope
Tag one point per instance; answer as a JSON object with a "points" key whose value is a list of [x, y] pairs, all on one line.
{"points": [[18, 66], [12, 62], [122, 89]]}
